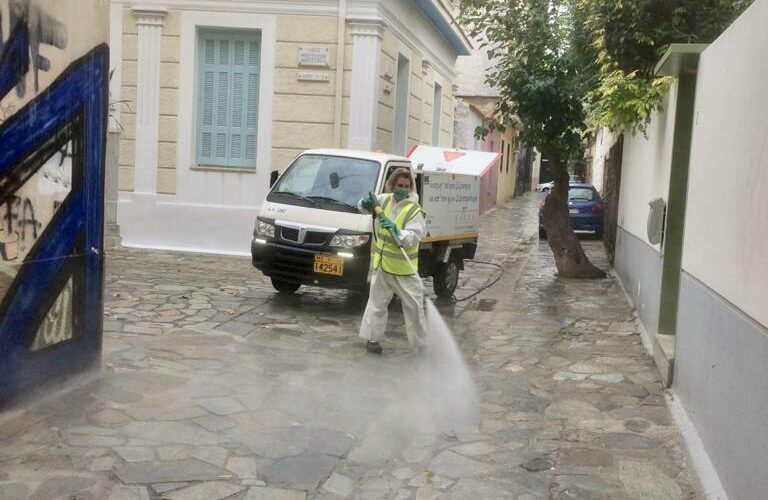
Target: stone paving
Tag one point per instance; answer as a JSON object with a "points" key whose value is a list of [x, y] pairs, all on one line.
{"points": [[214, 387]]}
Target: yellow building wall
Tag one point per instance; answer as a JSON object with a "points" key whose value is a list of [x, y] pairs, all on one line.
{"points": [[303, 112], [420, 99], [128, 95], [168, 106], [509, 150]]}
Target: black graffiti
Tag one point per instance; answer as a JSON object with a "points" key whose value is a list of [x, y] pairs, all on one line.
{"points": [[43, 30], [20, 218]]}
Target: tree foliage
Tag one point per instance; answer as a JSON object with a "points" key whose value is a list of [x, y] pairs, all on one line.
{"points": [[628, 39], [568, 63], [537, 76]]}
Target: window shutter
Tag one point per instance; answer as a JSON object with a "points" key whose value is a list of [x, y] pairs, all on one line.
{"points": [[228, 90]]}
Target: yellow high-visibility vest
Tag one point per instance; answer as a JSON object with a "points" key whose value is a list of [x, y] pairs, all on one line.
{"points": [[385, 252]]}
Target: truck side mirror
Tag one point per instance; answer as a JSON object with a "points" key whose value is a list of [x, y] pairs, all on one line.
{"points": [[335, 180], [273, 175]]}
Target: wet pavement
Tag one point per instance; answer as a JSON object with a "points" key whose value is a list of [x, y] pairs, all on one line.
{"points": [[214, 387]]}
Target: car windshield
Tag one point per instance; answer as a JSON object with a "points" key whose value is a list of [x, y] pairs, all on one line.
{"points": [[329, 182], [581, 194]]}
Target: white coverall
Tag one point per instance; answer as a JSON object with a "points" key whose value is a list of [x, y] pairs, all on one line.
{"points": [[410, 289]]}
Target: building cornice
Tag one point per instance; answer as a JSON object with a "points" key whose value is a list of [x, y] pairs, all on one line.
{"points": [[294, 7], [366, 27], [149, 15]]}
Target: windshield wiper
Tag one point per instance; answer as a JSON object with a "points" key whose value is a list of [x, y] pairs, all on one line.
{"points": [[332, 200], [294, 195]]}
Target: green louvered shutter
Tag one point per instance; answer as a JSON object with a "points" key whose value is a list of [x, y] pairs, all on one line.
{"points": [[228, 98]]}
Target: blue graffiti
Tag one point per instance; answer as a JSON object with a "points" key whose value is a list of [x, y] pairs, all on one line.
{"points": [[38, 29], [69, 249], [15, 61]]}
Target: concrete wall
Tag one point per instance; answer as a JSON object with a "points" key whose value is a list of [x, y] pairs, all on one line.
{"points": [[721, 366], [53, 130], [645, 171], [638, 266], [729, 164]]}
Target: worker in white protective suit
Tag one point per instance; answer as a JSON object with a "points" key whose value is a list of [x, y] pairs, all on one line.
{"points": [[392, 272]]}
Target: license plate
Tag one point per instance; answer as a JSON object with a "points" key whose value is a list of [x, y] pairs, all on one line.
{"points": [[327, 264], [574, 210]]}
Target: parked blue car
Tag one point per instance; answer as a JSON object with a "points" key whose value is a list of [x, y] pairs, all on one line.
{"points": [[585, 207]]}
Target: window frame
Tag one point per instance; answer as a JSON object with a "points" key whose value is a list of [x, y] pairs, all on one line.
{"points": [[248, 36]]}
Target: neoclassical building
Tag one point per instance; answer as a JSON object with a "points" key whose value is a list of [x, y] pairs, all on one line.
{"points": [[210, 96]]}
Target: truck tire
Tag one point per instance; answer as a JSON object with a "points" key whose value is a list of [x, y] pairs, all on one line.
{"points": [[285, 286], [446, 278]]}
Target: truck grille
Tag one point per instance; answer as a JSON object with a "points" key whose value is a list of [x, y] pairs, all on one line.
{"points": [[289, 234], [315, 238], [310, 238]]}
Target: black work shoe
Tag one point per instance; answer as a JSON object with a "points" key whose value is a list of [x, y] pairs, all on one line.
{"points": [[373, 347]]}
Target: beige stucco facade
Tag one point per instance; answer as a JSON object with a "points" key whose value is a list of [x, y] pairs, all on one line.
{"points": [[155, 92]]}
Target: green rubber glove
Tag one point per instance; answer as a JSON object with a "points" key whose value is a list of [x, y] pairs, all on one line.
{"points": [[389, 225], [367, 203]]}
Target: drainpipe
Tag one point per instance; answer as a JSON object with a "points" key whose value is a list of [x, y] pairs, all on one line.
{"points": [[341, 48]]}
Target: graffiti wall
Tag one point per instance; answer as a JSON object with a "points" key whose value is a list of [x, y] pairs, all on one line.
{"points": [[54, 75]]}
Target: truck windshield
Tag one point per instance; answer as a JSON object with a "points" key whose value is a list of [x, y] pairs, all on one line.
{"points": [[328, 182]]}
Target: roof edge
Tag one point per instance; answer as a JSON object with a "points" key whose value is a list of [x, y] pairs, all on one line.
{"points": [[447, 25]]}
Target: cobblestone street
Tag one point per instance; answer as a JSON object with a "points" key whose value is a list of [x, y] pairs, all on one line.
{"points": [[213, 386]]}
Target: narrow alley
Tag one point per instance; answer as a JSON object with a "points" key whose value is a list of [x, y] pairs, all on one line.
{"points": [[213, 386]]}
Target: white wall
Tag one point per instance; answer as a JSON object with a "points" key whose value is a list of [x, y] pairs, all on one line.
{"points": [[726, 229], [645, 169], [604, 140], [536, 173], [471, 74], [467, 119]]}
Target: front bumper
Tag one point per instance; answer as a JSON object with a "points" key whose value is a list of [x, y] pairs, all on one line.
{"points": [[295, 264]]}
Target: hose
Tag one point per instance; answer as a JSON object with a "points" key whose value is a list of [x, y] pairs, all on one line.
{"points": [[488, 284]]}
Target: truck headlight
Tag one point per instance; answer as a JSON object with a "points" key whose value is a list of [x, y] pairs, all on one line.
{"points": [[265, 229], [349, 240]]}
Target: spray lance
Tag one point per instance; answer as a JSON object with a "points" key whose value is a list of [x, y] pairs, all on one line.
{"points": [[378, 212]]}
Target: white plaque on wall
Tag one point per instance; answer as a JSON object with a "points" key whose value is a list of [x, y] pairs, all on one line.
{"points": [[308, 76], [313, 56]]}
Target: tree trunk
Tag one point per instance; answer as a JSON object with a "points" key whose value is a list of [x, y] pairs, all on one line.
{"points": [[570, 259]]}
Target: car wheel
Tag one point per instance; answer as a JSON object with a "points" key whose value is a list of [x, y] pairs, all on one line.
{"points": [[542, 234], [285, 286], [446, 279]]}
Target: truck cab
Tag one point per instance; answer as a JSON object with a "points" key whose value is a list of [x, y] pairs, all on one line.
{"points": [[309, 230]]}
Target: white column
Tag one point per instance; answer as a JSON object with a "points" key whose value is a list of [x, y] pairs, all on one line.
{"points": [[149, 23], [364, 92]]}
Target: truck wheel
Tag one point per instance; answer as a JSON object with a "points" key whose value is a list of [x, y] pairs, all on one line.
{"points": [[284, 286], [446, 278]]}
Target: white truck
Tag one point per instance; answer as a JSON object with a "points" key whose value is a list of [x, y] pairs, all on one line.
{"points": [[309, 230]]}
